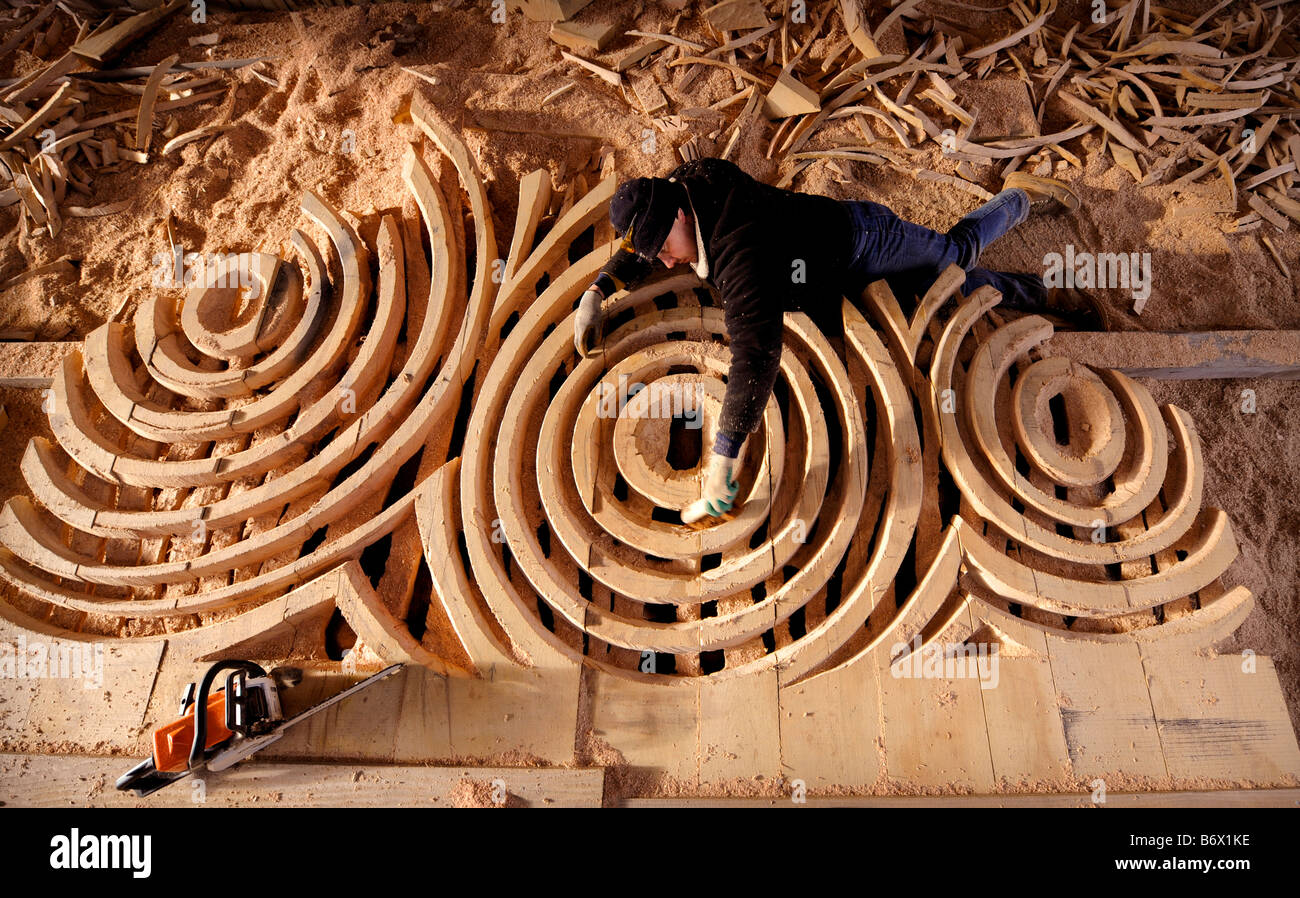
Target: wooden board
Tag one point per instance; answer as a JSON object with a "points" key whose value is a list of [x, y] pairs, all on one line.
{"points": [[1026, 735], [1215, 718], [739, 729], [1190, 356], [830, 728], [44, 781], [653, 727], [935, 729], [1109, 723]]}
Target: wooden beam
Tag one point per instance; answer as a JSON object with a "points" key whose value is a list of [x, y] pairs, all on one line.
{"points": [[1208, 355], [55, 781], [1247, 798]]}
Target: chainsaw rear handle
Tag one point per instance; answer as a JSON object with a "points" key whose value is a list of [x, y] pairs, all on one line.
{"points": [[201, 702]]}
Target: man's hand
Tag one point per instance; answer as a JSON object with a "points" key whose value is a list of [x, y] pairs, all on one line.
{"points": [[720, 484], [587, 322]]}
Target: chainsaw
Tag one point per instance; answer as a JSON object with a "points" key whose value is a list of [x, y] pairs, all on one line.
{"points": [[217, 730]]}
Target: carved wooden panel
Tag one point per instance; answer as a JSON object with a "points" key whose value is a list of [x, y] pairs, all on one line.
{"points": [[222, 449]]}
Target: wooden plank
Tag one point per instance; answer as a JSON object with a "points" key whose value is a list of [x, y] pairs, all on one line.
{"points": [[1243, 798], [530, 710], [1218, 720], [105, 705], [653, 727], [830, 728], [1026, 736], [935, 728], [1110, 726], [739, 729], [29, 780], [1189, 356], [364, 726]]}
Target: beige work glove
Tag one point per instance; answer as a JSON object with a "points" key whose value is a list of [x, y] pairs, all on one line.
{"points": [[587, 321], [719, 491]]}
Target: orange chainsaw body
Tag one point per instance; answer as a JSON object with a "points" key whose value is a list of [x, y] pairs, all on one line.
{"points": [[172, 741]]}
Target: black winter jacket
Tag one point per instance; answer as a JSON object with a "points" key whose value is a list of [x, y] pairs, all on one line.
{"points": [[768, 250]]}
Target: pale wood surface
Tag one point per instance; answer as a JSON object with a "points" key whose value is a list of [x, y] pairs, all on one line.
{"points": [[44, 781]]}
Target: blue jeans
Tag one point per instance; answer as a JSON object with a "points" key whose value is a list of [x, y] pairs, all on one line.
{"points": [[910, 256]]}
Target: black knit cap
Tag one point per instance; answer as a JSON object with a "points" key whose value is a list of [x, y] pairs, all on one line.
{"points": [[647, 207]]}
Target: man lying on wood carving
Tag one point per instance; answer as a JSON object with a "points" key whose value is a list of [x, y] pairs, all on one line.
{"points": [[767, 250]]}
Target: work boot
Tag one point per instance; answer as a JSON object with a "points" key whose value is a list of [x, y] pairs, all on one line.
{"points": [[1079, 310], [1045, 194]]}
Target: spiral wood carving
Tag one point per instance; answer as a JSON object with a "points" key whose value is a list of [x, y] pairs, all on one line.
{"points": [[221, 451]]}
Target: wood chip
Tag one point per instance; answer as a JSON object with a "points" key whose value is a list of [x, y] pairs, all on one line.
{"points": [[559, 91], [37, 118], [32, 24], [593, 37], [421, 75], [949, 107], [736, 15], [704, 60], [104, 45], [604, 74], [190, 136], [1127, 161], [1013, 39], [144, 123], [1267, 212], [647, 92], [95, 211], [1272, 251], [854, 14], [1288, 206], [1112, 127], [790, 97], [264, 78], [959, 183], [671, 39], [638, 53]]}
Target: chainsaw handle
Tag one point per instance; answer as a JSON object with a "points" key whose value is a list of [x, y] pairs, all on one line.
{"points": [[201, 702]]}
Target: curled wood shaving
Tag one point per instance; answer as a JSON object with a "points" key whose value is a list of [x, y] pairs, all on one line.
{"points": [[1017, 37], [1272, 251], [37, 118], [1112, 127], [96, 211], [1267, 212], [670, 39], [181, 140], [144, 124], [959, 183], [735, 69]]}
